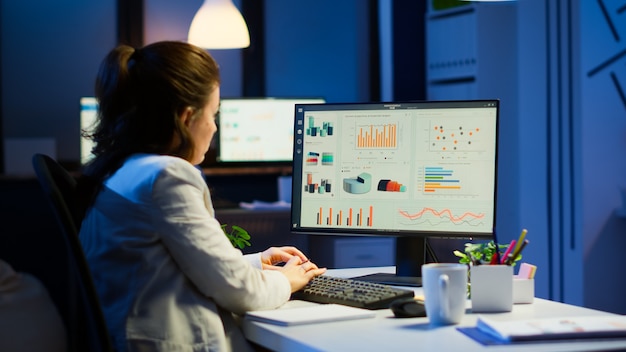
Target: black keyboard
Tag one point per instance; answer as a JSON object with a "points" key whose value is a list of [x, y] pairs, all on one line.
{"points": [[350, 292]]}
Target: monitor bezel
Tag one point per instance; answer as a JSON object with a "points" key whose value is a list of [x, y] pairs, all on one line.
{"points": [[297, 170]]}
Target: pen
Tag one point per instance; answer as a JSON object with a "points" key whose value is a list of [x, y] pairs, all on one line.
{"points": [[512, 257], [474, 260], [521, 238], [507, 252], [496, 255]]}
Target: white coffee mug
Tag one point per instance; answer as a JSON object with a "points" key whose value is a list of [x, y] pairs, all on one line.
{"points": [[445, 292]]}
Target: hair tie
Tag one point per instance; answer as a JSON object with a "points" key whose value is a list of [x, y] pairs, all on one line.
{"points": [[133, 59], [136, 55]]}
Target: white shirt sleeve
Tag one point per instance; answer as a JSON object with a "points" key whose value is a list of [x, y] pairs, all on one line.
{"points": [[254, 259]]}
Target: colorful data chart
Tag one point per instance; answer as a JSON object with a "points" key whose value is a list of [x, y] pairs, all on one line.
{"points": [[346, 217], [454, 138], [313, 130], [443, 216], [437, 178], [391, 186], [327, 158], [377, 137], [324, 186], [312, 158], [359, 185]]}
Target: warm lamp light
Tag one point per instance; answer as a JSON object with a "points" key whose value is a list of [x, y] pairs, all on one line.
{"points": [[218, 24]]}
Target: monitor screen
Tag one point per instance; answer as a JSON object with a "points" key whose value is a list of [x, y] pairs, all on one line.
{"points": [[257, 130], [88, 114], [411, 170]]}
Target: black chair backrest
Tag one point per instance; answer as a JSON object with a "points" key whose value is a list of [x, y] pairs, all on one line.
{"points": [[82, 313]]}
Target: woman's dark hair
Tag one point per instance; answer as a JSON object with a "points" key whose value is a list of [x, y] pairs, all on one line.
{"points": [[141, 94]]}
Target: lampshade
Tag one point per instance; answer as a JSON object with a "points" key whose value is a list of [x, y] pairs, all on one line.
{"points": [[219, 25]]}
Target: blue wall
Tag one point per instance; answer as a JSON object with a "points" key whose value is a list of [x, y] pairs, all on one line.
{"points": [[314, 51], [50, 55]]}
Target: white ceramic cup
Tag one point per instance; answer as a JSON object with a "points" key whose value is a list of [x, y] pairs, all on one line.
{"points": [[445, 292]]}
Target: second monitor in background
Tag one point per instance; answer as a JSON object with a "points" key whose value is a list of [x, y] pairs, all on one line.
{"points": [[257, 130], [88, 116]]}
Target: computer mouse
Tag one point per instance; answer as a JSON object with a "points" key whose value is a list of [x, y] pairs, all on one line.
{"points": [[408, 308]]}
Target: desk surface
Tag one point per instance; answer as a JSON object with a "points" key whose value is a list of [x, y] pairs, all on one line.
{"points": [[386, 333]]}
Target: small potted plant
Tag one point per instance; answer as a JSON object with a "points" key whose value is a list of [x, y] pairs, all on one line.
{"points": [[239, 237], [481, 253]]}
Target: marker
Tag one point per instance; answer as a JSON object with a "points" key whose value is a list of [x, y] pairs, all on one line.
{"points": [[474, 260], [494, 259], [511, 259], [507, 252]]}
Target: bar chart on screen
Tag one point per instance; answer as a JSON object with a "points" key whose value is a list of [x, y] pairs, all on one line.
{"points": [[377, 136], [348, 216]]}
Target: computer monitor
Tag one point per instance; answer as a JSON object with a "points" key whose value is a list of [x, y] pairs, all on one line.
{"points": [[411, 170], [88, 115], [257, 130]]}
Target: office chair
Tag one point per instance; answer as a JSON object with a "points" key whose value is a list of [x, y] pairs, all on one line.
{"points": [[81, 310]]}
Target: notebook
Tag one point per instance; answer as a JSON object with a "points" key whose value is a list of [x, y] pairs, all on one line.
{"points": [[554, 328], [319, 313]]}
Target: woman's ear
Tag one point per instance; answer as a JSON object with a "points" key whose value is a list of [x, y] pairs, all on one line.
{"points": [[187, 115]]}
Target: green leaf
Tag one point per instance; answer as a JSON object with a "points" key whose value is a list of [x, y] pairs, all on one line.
{"points": [[459, 254], [237, 235], [481, 251]]}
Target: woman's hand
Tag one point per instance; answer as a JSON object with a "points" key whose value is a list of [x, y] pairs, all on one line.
{"points": [[300, 273], [279, 255], [297, 267]]}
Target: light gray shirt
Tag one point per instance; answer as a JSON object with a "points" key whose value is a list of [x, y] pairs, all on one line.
{"points": [[167, 276]]}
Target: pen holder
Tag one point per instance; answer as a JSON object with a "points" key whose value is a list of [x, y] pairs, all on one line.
{"points": [[491, 288], [523, 290]]}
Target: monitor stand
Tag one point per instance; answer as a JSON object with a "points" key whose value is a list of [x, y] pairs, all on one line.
{"points": [[410, 255]]}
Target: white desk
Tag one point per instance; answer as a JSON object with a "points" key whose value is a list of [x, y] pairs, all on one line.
{"points": [[386, 333]]}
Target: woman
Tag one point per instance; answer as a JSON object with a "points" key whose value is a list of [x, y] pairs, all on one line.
{"points": [[167, 276]]}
